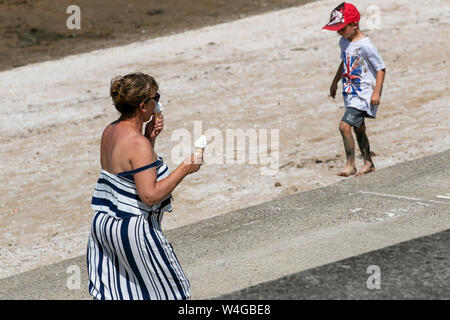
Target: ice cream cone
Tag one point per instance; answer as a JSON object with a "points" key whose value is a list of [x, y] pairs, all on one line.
{"points": [[199, 150]]}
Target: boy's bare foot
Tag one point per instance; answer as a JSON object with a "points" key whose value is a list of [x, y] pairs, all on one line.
{"points": [[366, 169], [347, 172]]}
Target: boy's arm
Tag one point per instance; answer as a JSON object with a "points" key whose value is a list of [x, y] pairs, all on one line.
{"points": [[375, 99], [336, 79]]}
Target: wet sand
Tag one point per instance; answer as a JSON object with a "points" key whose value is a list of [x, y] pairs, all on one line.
{"points": [[34, 31], [245, 74]]}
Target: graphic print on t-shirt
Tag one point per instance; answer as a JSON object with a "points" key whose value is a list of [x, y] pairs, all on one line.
{"points": [[351, 74]]}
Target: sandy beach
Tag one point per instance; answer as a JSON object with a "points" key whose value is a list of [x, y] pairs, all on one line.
{"points": [[271, 71]]}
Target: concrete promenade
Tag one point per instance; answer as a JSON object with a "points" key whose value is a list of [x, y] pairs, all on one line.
{"points": [[311, 245]]}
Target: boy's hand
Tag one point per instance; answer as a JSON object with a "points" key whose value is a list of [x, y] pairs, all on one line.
{"points": [[375, 99], [333, 90]]}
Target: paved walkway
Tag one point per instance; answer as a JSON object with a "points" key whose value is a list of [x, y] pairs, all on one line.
{"points": [[415, 269], [300, 232]]}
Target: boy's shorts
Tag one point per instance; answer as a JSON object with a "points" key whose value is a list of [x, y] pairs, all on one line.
{"points": [[354, 117]]}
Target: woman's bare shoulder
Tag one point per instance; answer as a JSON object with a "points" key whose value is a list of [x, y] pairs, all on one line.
{"points": [[121, 147], [108, 130], [141, 151], [139, 141]]}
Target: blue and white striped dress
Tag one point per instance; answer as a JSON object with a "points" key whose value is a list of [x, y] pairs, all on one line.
{"points": [[128, 257]]}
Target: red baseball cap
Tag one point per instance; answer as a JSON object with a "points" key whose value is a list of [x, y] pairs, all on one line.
{"points": [[342, 15]]}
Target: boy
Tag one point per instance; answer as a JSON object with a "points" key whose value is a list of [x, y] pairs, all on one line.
{"points": [[362, 71]]}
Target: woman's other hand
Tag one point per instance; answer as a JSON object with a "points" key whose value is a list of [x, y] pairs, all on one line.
{"points": [[193, 162]]}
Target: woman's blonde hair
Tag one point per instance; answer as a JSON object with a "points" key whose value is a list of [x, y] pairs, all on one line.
{"points": [[129, 91]]}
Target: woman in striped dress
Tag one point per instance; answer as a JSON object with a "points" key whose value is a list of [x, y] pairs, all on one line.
{"points": [[128, 256]]}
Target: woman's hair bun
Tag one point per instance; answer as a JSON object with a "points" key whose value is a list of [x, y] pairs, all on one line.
{"points": [[116, 84], [129, 91]]}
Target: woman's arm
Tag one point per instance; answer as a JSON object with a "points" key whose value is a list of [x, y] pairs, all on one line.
{"points": [[150, 191]]}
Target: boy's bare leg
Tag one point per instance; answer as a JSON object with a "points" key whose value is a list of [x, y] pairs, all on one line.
{"points": [[349, 145], [364, 147]]}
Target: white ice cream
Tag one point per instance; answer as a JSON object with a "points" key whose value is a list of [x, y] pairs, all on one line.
{"points": [[158, 108], [200, 143]]}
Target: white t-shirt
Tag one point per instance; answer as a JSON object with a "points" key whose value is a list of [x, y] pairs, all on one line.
{"points": [[361, 63]]}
